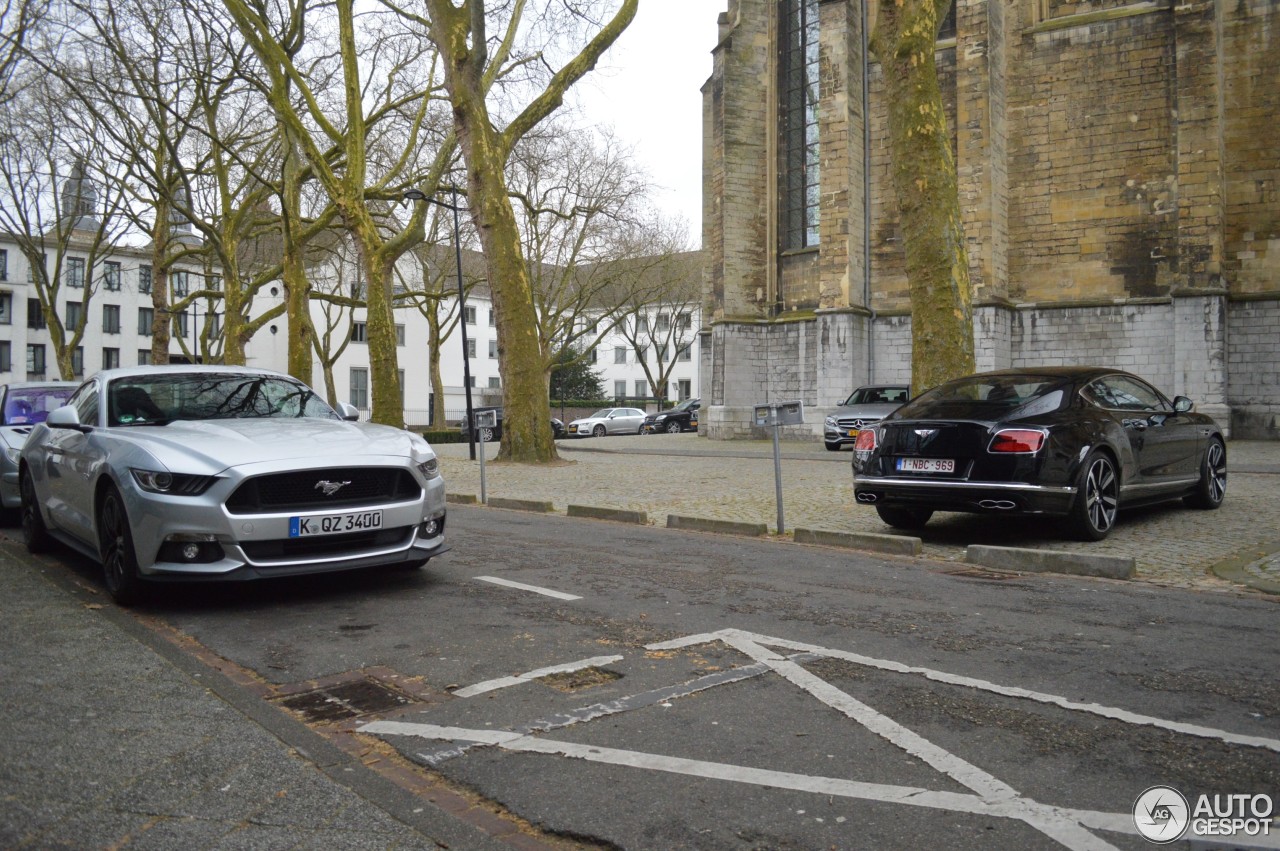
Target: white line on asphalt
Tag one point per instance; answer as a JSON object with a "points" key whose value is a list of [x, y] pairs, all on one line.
{"points": [[559, 595], [832, 786], [505, 682], [970, 682]]}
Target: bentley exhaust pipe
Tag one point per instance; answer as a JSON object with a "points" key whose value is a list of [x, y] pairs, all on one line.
{"points": [[998, 504], [866, 497]]}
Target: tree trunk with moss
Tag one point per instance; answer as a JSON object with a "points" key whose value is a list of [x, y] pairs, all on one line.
{"points": [[459, 35], [925, 185]]}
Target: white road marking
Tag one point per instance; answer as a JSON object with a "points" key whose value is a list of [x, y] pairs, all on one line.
{"points": [[559, 595], [831, 786], [505, 682], [982, 685]]}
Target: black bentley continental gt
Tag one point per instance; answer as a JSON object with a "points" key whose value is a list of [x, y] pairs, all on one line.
{"points": [[1077, 442]]}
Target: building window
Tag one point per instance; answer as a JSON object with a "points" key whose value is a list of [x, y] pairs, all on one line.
{"points": [[471, 314], [471, 347], [111, 358], [74, 315], [798, 123], [492, 319], [642, 325], [4, 264], [6, 356], [642, 389], [400, 335], [215, 283], [619, 354], [6, 309], [400, 374], [642, 352], [495, 383], [620, 389], [473, 382], [686, 353], [359, 332], [664, 322], [146, 316], [31, 270], [35, 315], [77, 362], [144, 279], [35, 360], [144, 357], [684, 321], [180, 282], [493, 348], [111, 276], [686, 388], [360, 387], [179, 324], [111, 319], [660, 353], [593, 355], [75, 272]]}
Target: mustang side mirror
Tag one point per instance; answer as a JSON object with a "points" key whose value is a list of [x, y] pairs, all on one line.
{"points": [[64, 417], [348, 411], [1182, 404]]}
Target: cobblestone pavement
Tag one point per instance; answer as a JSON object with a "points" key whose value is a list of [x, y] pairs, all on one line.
{"points": [[692, 476]]}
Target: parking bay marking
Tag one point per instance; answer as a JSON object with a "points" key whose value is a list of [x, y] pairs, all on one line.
{"points": [[559, 595], [505, 682], [1069, 827]]}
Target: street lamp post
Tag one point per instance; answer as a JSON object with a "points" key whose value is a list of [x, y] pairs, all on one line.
{"points": [[419, 195]]}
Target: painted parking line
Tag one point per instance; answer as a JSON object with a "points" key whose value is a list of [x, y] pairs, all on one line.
{"points": [[546, 592], [507, 682], [1111, 712]]}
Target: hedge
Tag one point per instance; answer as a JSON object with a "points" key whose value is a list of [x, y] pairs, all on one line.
{"points": [[444, 436]]}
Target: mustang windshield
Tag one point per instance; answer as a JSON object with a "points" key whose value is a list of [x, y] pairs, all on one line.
{"points": [[163, 398]]}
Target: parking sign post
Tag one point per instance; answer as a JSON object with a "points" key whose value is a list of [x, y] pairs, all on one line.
{"points": [[484, 420], [778, 414]]}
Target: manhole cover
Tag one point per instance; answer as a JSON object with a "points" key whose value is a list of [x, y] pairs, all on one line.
{"points": [[347, 700], [571, 681]]}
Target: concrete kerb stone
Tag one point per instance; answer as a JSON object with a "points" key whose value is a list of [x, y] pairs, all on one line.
{"points": [[890, 544], [620, 515], [1051, 561], [723, 527], [461, 498], [540, 505]]}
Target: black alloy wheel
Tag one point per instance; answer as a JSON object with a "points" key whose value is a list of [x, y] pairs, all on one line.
{"points": [[904, 518], [1097, 497], [1211, 490], [115, 549], [34, 533], [673, 427]]}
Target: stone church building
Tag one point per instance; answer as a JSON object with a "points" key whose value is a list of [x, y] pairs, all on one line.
{"points": [[1119, 177]]}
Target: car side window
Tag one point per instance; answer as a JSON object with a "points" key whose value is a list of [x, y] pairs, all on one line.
{"points": [[85, 401], [1118, 392]]}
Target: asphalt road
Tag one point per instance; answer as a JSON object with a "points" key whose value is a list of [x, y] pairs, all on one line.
{"points": [[714, 692]]}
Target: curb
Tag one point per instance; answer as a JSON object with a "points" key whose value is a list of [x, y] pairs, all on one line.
{"points": [[723, 527], [618, 514], [890, 544], [1051, 561], [461, 498], [1247, 567], [543, 506]]}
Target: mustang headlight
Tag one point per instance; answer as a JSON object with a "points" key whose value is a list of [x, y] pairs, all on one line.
{"points": [[430, 468], [178, 484]]}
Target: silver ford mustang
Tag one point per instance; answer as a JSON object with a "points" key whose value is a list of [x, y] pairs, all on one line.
{"points": [[221, 472]]}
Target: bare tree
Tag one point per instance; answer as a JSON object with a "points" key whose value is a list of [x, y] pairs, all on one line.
{"points": [[460, 33], [925, 184], [660, 316]]}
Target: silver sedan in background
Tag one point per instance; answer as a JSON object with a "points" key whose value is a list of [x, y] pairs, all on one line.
{"points": [[608, 421], [220, 472], [24, 405]]}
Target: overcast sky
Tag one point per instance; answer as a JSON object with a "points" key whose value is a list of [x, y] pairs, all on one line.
{"points": [[648, 87]]}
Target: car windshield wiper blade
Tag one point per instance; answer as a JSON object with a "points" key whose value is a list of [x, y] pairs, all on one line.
{"points": [[163, 422]]}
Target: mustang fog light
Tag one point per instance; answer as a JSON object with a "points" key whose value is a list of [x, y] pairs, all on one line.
{"points": [[432, 528], [185, 548]]}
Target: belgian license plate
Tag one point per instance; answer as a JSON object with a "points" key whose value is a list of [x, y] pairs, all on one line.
{"points": [[926, 465], [334, 524]]}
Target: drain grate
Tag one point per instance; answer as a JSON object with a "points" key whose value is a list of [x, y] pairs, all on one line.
{"points": [[347, 700]]}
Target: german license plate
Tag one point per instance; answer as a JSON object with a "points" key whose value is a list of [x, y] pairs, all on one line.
{"points": [[926, 465], [334, 524]]}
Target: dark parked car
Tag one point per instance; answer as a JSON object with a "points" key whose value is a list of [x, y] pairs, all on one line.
{"points": [[495, 433], [864, 407], [1077, 442], [683, 417]]}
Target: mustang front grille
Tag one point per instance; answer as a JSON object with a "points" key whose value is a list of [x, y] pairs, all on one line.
{"points": [[325, 545], [317, 490]]}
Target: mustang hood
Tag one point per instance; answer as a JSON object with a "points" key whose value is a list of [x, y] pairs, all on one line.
{"points": [[219, 444]]}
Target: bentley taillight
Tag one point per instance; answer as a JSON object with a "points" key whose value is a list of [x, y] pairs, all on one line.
{"points": [[866, 441], [1017, 440]]}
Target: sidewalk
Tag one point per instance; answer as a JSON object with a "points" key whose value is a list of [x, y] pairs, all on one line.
{"points": [[110, 738], [689, 475]]}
